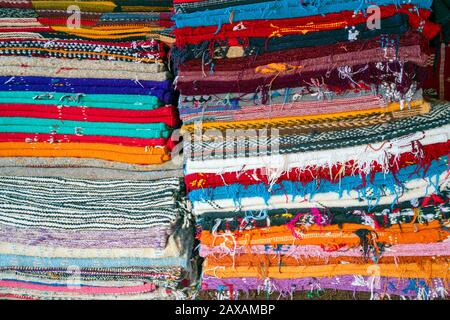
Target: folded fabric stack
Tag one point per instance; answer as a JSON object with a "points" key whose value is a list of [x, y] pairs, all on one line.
{"points": [[90, 207], [313, 163], [93, 19]]}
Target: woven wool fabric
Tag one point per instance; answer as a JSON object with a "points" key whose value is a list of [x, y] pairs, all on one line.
{"points": [[407, 50], [269, 260], [314, 160], [128, 154], [390, 27], [99, 20], [239, 143], [152, 208], [430, 208], [88, 171], [274, 10], [133, 238], [316, 287], [47, 67], [108, 101], [310, 173], [141, 51], [165, 114], [275, 28], [320, 252], [424, 209], [271, 119], [438, 84], [313, 293], [413, 189], [86, 135], [363, 155], [30, 138], [162, 90], [293, 195], [181, 6], [113, 20], [280, 105], [93, 274], [90, 165], [298, 53], [40, 125], [336, 236], [236, 101], [343, 78], [171, 249], [307, 191], [412, 53]]}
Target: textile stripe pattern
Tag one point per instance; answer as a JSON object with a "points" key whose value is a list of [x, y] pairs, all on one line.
{"points": [[91, 207], [315, 159]]}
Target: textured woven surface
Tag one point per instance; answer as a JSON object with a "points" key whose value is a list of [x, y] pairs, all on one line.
{"points": [[316, 166], [91, 207]]}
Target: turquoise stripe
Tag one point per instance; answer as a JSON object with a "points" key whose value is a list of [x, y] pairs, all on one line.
{"points": [[109, 101], [281, 9], [37, 125]]}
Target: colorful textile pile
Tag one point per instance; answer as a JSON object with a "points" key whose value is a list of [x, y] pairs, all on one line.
{"points": [[90, 207], [313, 161], [93, 19], [438, 83]]}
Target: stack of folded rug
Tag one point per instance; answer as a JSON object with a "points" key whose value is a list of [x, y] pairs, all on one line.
{"points": [[313, 163], [90, 207]]}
